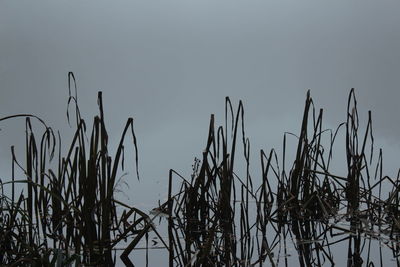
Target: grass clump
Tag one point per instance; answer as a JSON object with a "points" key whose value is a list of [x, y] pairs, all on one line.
{"points": [[68, 213], [219, 218]]}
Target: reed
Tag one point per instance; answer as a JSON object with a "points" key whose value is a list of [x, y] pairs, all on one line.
{"points": [[302, 205], [68, 212]]}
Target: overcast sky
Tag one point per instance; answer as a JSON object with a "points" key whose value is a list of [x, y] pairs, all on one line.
{"points": [[170, 64]]}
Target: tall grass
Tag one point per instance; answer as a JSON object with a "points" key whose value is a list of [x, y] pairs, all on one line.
{"points": [[68, 212], [304, 205]]}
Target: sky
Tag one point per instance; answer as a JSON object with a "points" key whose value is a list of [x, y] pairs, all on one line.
{"points": [[170, 64]]}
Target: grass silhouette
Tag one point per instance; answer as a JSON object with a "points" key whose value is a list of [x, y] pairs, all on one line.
{"points": [[68, 215]]}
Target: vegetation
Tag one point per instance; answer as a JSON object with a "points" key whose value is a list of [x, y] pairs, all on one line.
{"points": [[68, 213], [221, 216]]}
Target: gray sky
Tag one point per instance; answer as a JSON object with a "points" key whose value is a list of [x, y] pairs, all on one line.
{"points": [[169, 64]]}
